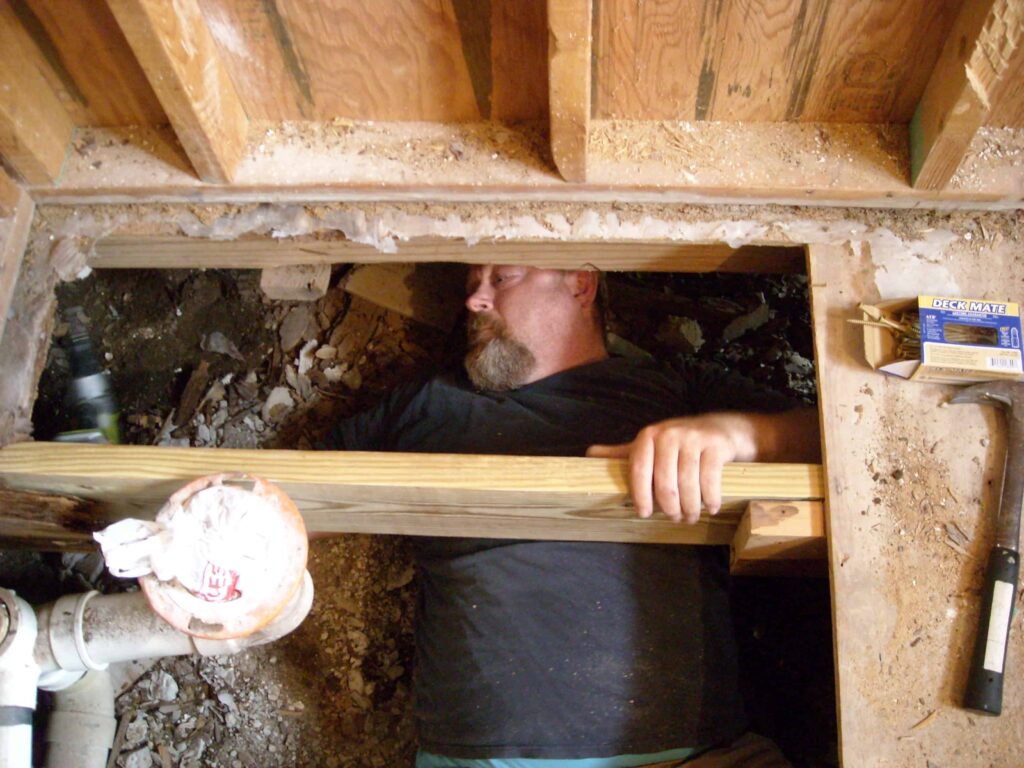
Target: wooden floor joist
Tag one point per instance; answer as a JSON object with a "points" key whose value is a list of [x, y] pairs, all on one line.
{"points": [[419, 494]]}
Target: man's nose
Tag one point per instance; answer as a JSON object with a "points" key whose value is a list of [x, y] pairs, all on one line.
{"points": [[480, 300]]}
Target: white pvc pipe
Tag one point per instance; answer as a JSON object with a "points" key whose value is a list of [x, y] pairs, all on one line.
{"points": [[82, 724], [90, 631], [18, 678]]}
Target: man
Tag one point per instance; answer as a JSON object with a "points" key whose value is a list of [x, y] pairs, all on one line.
{"points": [[567, 653]]}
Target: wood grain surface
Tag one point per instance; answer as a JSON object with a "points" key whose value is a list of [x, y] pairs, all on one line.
{"points": [[93, 69], [180, 59], [437, 494], [163, 252], [766, 60]]}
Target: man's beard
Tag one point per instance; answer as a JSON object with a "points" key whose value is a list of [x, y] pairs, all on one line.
{"points": [[495, 360]]}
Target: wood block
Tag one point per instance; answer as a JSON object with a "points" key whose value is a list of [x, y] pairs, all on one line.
{"points": [[774, 531], [303, 282], [430, 293]]}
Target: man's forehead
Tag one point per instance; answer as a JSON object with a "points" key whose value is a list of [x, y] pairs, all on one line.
{"points": [[478, 271]]}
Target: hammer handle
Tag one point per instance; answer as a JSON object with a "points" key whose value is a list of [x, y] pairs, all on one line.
{"points": [[985, 684]]}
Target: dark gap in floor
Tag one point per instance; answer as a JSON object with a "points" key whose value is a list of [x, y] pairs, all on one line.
{"points": [[210, 344]]}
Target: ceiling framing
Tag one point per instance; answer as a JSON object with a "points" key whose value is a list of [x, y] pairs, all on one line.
{"points": [[861, 102]]}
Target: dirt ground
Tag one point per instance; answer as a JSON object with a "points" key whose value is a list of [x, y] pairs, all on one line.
{"points": [[203, 358]]}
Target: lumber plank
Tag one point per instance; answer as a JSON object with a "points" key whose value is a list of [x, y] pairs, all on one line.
{"points": [[774, 532], [35, 130], [425, 494], [629, 162], [174, 46], [47, 521], [569, 85], [180, 252], [14, 232], [399, 60], [89, 63], [519, 60], [985, 44]]}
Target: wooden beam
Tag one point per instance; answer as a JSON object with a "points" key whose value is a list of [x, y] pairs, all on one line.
{"points": [[178, 54], [772, 532], [179, 252], [14, 232], [985, 43], [628, 163], [569, 41], [428, 494], [35, 131], [10, 195], [47, 521]]}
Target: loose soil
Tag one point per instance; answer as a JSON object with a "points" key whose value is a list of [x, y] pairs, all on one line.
{"points": [[194, 358]]}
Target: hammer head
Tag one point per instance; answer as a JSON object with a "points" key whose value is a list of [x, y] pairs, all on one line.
{"points": [[1008, 394]]}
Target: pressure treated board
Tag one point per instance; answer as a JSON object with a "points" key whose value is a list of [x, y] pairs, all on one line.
{"points": [[92, 68], [430, 494], [766, 60], [180, 252], [901, 471]]}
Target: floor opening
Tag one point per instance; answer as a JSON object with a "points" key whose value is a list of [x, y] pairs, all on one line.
{"points": [[202, 358]]}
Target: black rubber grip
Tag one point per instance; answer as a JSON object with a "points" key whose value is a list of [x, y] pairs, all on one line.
{"points": [[985, 684]]}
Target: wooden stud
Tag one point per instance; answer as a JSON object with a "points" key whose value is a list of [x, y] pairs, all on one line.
{"points": [[569, 84], [14, 232], [427, 494], [35, 131], [775, 531], [180, 252], [986, 42], [178, 55]]}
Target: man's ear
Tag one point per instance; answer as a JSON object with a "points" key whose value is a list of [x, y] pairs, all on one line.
{"points": [[583, 283]]}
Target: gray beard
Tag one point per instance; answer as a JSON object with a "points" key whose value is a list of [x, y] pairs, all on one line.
{"points": [[499, 364]]}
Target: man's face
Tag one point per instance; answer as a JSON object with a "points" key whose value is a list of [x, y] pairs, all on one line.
{"points": [[516, 313]]}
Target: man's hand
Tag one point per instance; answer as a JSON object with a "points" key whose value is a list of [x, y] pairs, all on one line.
{"points": [[678, 463]]}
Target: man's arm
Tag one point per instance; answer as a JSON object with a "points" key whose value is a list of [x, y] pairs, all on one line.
{"points": [[678, 462]]}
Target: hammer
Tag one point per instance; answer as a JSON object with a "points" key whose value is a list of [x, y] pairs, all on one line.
{"points": [[985, 684]]}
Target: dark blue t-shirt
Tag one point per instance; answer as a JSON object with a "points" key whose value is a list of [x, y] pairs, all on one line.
{"points": [[565, 649]]}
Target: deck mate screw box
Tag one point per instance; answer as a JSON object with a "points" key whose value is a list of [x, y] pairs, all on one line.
{"points": [[943, 339]]}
